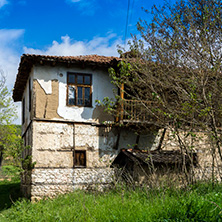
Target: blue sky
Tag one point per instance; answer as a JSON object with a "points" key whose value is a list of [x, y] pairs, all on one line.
{"points": [[64, 27]]}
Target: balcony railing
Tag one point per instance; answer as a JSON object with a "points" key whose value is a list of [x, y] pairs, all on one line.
{"points": [[134, 110]]}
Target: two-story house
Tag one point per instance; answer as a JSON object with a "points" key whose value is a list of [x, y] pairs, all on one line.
{"points": [[71, 145]]}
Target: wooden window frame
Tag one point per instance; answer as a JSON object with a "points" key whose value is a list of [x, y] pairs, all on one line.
{"points": [[74, 159], [76, 85]]}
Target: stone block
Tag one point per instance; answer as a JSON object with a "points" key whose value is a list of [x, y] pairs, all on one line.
{"points": [[53, 158], [86, 130]]}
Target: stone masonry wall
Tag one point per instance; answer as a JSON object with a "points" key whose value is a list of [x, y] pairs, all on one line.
{"points": [[202, 145], [53, 152], [53, 149], [51, 182], [92, 178]]}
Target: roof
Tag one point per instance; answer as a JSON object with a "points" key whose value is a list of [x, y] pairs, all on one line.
{"points": [[156, 157], [28, 60]]}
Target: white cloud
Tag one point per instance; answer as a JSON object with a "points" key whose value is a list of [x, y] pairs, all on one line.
{"points": [[9, 35], [3, 2], [68, 47], [9, 57]]}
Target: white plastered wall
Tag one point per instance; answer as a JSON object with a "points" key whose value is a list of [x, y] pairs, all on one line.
{"points": [[101, 87]]}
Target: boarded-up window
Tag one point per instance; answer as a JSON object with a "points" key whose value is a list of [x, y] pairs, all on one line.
{"points": [[79, 89], [80, 158]]}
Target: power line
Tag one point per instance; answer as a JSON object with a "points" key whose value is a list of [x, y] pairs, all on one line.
{"points": [[130, 18], [127, 21]]}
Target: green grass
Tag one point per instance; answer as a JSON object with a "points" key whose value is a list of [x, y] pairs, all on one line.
{"points": [[9, 186], [201, 202], [9, 193]]}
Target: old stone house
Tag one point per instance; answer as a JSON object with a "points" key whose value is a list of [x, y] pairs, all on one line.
{"points": [[71, 144]]}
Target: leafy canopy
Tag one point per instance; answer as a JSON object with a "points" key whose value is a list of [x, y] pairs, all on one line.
{"points": [[176, 64]]}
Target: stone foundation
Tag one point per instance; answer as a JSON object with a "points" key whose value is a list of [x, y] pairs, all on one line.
{"points": [[51, 182]]}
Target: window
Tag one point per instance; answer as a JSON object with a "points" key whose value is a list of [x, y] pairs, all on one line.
{"points": [[23, 111], [80, 158], [79, 92]]}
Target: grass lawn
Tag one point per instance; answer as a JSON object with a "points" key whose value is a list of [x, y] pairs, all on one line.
{"points": [[9, 186], [201, 202], [9, 193]]}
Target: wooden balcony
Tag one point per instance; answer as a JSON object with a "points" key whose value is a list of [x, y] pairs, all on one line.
{"points": [[134, 111]]}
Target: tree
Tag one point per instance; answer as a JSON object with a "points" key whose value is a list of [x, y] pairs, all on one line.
{"points": [[8, 134], [177, 67]]}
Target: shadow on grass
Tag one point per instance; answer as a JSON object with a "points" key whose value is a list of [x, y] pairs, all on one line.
{"points": [[9, 193]]}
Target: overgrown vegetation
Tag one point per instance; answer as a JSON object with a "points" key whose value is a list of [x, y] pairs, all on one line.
{"points": [[172, 76], [197, 203], [11, 143]]}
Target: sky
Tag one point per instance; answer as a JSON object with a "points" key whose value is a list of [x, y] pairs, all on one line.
{"points": [[65, 27]]}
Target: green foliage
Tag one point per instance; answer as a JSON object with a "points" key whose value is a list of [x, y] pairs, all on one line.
{"points": [[12, 152], [11, 143], [8, 132], [180, 61], [13, 172], [7, 109], [198, 203], [123, 73], [108, 104], [27, 164]]}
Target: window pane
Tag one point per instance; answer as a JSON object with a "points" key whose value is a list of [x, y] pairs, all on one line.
{"points": [[87, 80], [71, 95], [80, 79], [80, 96], [87, 96], [77, 162], [80, 159], [71, 78]]}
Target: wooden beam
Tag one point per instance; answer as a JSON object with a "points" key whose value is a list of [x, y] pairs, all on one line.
{"points": [[122, 91], [121, 100]]}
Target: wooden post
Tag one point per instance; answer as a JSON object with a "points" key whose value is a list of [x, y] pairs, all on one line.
{"points": [[117, 114], [121, 98]]}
